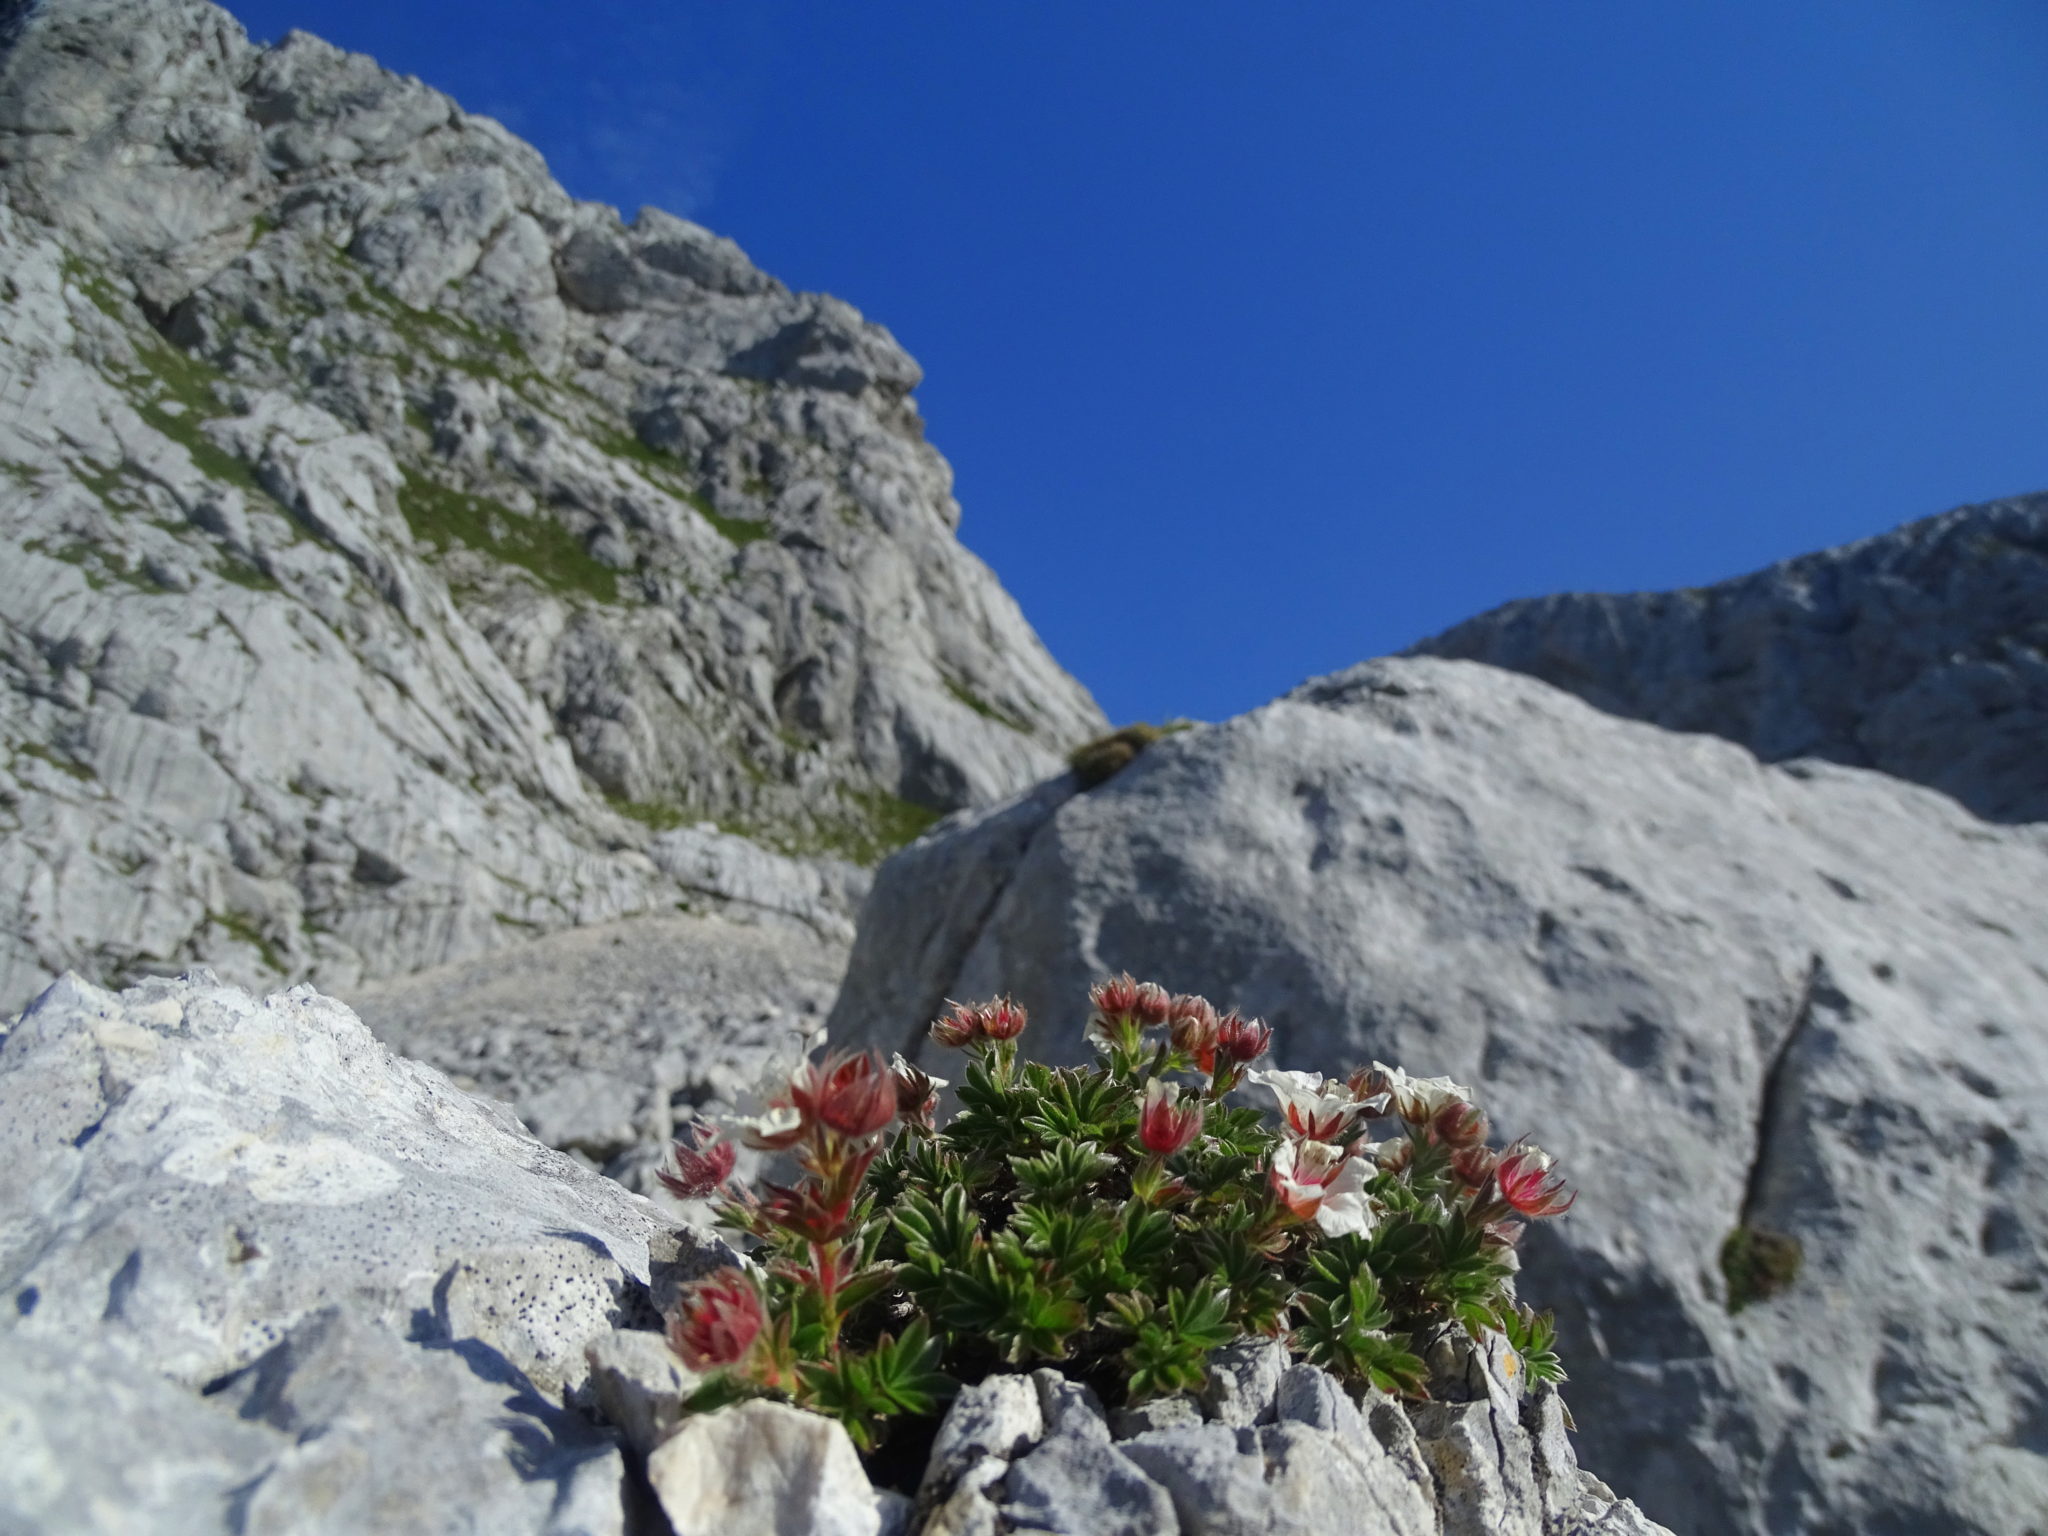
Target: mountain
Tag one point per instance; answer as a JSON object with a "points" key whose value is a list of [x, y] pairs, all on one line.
{"points": [[404, 558], [1782, 1024], [1922, 652]]}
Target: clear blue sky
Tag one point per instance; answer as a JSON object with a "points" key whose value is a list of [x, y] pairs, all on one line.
{"points": [[1266, 338]]}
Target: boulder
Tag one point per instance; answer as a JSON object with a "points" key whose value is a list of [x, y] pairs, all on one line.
{"points": [[1780, 1023], [264, 1276]]}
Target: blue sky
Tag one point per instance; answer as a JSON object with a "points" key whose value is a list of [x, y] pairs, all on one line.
{"points": [[1266, 338]]}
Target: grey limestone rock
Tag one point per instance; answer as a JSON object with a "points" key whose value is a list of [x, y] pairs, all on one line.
{"points": [[1244, 1380], [763, 1469], [1922, 652], [300, 1282], [1732, 997], [401, 557], [638, 1384]]}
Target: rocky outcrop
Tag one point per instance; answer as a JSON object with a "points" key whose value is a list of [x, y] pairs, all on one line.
{"points": [[267, 1277], [1798, 1007], [1922, 652], [394, 546], [264, 1276]]}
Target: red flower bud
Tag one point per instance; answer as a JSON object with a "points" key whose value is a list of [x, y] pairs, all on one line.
{"points": [[917, 1092], [1526, 1182], [1474, 1165], [717, 1321], [1458, 1124], [960, 1027], [853, 1095], [1154, 1005], [1193, 1029], [1165, 1125], [700, 1170], [1242, 1040], [1002, 1019]]}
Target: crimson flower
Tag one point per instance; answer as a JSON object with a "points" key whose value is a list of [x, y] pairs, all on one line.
{"points": [[1165, 1125], [1242, 1040], [1526, 1182], [700, 1170], [716, 1321], [853, 1095]]}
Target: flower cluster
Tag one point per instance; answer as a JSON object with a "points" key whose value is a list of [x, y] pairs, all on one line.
{"points": [[1120, 1220]]}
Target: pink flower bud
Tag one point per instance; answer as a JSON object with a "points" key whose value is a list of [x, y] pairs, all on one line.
{"points": [[1002, 1019], [1193, 1029], [1527, 1183], [1242, 1040], [960, 1027], [853, 1095], [1458, 1124], [1165, 1125], [700, 1170], [717, 1321]]}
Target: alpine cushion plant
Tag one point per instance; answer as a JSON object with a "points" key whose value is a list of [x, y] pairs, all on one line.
{"points": [[1119, 1221]]}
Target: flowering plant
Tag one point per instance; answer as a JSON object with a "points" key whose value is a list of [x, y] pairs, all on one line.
{"points": [[1120, 1220]]}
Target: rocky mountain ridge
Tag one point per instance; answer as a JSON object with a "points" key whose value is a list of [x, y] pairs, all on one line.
{"points": [[397, 546], [1922, 652]]}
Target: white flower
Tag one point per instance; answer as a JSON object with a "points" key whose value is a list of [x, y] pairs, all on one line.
{"points": [[773, 1129], [1315, 1179], [1315, 1110], [1415, 1099]]}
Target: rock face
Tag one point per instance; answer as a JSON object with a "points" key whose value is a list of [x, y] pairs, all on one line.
{"points": [[266, 1277], [1803, 1003], [1922, 652], [392, 544]]}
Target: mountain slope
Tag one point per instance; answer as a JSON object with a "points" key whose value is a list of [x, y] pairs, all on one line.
{"points": [[1922, 652], [397, 546]]}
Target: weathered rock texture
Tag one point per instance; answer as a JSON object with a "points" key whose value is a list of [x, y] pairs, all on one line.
{"points": [[390, 539], [1922, 652], [1806, 1000], [263, 1276], [1302, 1458]]}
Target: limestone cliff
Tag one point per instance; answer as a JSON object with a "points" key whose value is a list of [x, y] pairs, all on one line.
{"points": [[396, 547]]}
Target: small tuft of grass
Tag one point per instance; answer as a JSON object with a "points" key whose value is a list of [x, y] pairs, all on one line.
{"points": [[237, 925], [1098, 761], [45, 754], [1758, 1264]]}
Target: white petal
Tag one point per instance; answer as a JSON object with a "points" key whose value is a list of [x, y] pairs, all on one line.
{"points": [[1342, 1213]]}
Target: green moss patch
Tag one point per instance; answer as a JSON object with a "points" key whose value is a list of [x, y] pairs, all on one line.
{"points": [[444, 519], [1758, 1264]]}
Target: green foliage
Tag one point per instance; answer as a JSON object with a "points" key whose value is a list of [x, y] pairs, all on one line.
{"points": [[1119, 1221], [1758, 1264], [662, 471], [1096, 762], [537, 544]]}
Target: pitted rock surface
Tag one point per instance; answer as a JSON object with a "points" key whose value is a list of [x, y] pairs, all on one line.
{"points": [[1803, 1000], [395, 546], [282, 1280]]}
